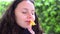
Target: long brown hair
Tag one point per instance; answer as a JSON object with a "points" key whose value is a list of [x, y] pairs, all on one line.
{"points": [[8, 23]]}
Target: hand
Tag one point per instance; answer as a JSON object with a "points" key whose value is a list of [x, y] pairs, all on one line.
{"points": [[30, 30]]}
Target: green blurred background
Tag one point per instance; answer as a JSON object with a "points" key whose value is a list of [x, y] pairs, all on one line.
{"points": [[48, 12]]}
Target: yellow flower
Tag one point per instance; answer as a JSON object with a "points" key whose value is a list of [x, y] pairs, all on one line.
{"points": [[32, 23]]}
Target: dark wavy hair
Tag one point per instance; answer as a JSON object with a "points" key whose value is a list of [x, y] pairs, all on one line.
{"points": [[8, 22]]}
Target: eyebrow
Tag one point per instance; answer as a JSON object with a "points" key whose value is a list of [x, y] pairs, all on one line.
{"points": [[27, 9]]}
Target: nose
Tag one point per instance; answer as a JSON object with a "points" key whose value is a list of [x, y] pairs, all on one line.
{"points": [[29, 16]]}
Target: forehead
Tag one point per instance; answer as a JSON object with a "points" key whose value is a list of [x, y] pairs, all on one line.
{"points": [[25, 4]]}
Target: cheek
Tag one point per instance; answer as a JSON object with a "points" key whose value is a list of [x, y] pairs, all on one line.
{"points": [[34, 18], [20, 16]]}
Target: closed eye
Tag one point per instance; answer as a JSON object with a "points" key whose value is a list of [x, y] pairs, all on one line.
{"points": [[33, 13], [24, 12]]}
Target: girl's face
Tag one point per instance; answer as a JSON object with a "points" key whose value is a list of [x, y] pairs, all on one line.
{"points": [[24, 12]]}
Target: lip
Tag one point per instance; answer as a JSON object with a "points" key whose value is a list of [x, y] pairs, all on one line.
{"points": [[28, 22]]}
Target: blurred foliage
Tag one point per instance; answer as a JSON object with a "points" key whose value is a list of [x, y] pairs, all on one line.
{"points": [[3, 7], [48, 12], [49, 15]]}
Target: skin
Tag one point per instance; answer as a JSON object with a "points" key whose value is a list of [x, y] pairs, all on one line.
{"points": [[24, 12]]}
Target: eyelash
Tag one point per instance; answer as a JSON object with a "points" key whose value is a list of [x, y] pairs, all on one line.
{"points": [[24, 12], [32, 13]]}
